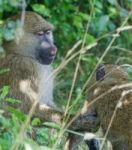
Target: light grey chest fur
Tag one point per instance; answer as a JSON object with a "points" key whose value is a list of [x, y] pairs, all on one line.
{"points": [[45, 85]]}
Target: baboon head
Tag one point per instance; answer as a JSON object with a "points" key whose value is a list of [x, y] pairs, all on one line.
{"points": [[33, 39]]}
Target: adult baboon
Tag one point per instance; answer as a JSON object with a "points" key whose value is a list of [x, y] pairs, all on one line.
{"points": [[30, 76], [113, 93]]}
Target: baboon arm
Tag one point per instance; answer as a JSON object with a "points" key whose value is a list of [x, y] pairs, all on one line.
{"points": [[49, 114], [87, 121]]}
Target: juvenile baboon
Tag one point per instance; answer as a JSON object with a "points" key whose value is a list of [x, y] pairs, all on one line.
{"points": [[28, 58], [112, 83]]}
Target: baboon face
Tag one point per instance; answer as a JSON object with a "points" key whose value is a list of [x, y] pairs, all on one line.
{"points": [[36, 41], [46, 50]]}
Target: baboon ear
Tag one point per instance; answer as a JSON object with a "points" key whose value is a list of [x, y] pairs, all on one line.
{"points": [[100, 72]]}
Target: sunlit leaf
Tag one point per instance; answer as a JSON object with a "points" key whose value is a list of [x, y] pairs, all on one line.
{"points": [[41, 9]]}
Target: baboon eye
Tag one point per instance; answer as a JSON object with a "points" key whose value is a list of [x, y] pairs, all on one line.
{"points": [[40, 33], [49, 35], [48, 32]]}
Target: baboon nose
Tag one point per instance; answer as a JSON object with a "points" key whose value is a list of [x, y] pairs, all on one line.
{"points": [[53, 50]]}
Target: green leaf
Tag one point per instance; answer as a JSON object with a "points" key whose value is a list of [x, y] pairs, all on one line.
{"points": [[5, 91], [113, 2], [17, 113], [52, 124], [77, 21], [41, 9], [103, 22], [13, 101], [123, 13], [35, 121], [90, 39], [4, 70], [9, 30], [84, 16]]}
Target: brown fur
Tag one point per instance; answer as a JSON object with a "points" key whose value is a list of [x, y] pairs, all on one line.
{"points": [[120, 133], [27, 78]]}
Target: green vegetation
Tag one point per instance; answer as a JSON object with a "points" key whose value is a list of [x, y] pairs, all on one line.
{"points": [[72, 19]]}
